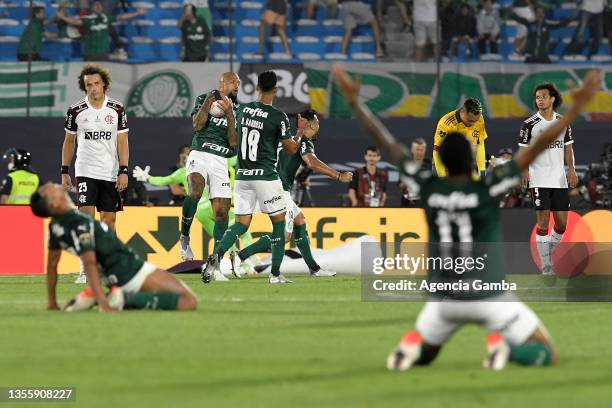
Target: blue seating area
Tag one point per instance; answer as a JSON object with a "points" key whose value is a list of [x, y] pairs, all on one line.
{"points": [[155, 37]]}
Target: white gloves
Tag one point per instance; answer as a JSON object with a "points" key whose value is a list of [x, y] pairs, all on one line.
{"points": [[140, 174]]}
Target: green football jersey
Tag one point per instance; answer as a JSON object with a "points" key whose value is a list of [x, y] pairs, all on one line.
{"points": [[212, 138], [97, 37], [78, 233], [261, 127], [288, 165], [32, 38]]}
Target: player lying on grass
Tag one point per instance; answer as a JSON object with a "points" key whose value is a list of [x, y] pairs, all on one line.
{"points": [[295, 222], [205, 213], [134, 283], [516, 334]]}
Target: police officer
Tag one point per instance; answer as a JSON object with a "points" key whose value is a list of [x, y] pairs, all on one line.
{"points": [[21, 181]]}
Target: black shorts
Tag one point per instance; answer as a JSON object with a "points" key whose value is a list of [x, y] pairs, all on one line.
{"points": [[277, 6], [554, 199], [99, 193]]}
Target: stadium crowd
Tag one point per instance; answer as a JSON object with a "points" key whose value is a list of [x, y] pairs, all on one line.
{"points": [[408, 30]]}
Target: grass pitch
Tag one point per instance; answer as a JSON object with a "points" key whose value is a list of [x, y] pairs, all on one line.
{"points": [[310, 344]]}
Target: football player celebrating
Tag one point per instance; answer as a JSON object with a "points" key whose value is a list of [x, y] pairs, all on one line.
{"points": [[546, 176], [295, 222], [214, 138], [98, 125], [468, 121], [134, 283], [516, 334], [261, 128]]}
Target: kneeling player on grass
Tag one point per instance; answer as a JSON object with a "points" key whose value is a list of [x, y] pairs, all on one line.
{"points": [[516, 334], [295, 222], [134, 283]]}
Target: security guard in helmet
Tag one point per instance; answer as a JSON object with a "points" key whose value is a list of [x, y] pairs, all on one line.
{"points": [[21, 181]]}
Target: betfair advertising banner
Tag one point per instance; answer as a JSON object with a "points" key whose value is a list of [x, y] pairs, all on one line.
{"points": [[397, 90], [393, 90]]}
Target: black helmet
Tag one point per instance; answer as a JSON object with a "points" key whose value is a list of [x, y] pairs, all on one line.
{"points": [[20, 157]]}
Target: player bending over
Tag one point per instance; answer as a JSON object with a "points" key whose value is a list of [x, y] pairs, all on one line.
{"points": [[516, 334], [295, 222], [135, 284]]}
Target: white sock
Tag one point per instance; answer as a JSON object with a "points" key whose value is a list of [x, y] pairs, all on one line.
{"points": [[555, 238], [543, 245], [82, 268]]}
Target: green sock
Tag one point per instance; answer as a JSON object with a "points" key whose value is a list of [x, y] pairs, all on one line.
{"points": [[152, 300], [190, 206], [300, 237], [219, 230], [230, 236], [261, 245], [277, 243], [531, 354]]}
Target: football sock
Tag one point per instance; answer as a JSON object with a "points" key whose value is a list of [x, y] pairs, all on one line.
{"points": [[300, 237], [278, 246], [531, 354], [263, 244], [555, 238], [190, 206], [543, 245], [218, 231], [152, 300], [229, 237]]}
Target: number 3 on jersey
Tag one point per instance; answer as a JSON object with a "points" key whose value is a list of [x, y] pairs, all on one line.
{"points": [[250, 142]]}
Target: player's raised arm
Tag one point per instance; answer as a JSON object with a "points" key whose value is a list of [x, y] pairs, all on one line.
{"points": [[581, 96], [232, 135], [53, 258], [373, 126], [200, 113], [292, 144]]}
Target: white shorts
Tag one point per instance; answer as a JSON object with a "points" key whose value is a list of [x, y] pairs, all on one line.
{"points": [[134, 284], [268, 194], [515, 320], [292, 211], [214, 170], [423, 31]]}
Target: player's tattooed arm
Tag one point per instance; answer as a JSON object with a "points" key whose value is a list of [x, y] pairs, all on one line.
{"points": [[580, 96], [200, 118], [572, 177], [90, 264], [382, 137], [53, 258], [313, 163], [232, 135]]}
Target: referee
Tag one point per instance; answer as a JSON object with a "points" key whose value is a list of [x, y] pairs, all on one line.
{"points": [[468, 121]]}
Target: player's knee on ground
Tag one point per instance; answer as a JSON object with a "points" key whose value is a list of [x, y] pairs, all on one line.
{"points": [[187, 301]]}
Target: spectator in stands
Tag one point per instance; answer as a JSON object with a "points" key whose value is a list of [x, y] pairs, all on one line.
{"points": [[195, 35], [464, 30], [591, 16], [409, 197], [425, 16], [275, 15], [354, 13], [32, 37], [117, 46], [524, 9], [331, 5], [369, 185], [97, 24], [401, 5], [202, 11], [447, 16], [488, 25], [62, 26], [538, 35]]}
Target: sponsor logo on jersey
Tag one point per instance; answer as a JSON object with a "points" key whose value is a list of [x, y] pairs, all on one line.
{"points": [[557, 144], [215, 147], [218, 121], [109, 119], [250, 172], [256, 112], [225, 184], [95, 135], [272, 200], [161, 94]]}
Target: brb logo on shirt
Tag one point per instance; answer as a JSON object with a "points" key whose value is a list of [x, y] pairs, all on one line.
{"points": [[95, 135]]}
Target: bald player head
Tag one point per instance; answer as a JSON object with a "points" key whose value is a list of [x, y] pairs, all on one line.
{"points": [[229, 84]]}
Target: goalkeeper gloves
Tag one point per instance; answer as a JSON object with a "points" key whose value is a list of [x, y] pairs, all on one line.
{"points": [[141, 174]]}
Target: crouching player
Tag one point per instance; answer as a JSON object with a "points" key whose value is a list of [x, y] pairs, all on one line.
{"points": [[515, 332], [134, 283]]}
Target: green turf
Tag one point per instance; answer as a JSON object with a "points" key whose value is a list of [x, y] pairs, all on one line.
{"points": [[310, 344]]}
